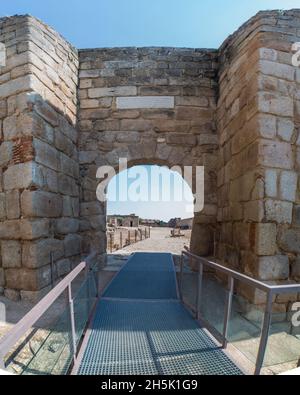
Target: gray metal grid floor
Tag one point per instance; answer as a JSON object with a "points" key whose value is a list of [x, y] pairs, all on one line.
{"points": [[145, 276], [150, 338], [140, 336]]}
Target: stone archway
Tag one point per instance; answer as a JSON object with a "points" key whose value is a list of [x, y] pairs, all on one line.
{"points": [[147, 106]]}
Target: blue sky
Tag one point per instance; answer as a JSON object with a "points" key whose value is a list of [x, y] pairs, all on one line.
{"points": [[162, 194], [179, 23]]}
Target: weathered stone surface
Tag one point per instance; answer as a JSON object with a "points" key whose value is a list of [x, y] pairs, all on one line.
{"points": [[21, 176], [34, 229], [114, 91], [13, 204], [273, 268], [66, 225], [41, 204], [63, 267], [265, 238], [289, 240], [6, 150], [2, 206], [285, 129], [288, 185], [91, 208], [124, 103], [278, 211], [72, 245], [46, 155], [10, 230], [11, 254], [38, 253]]}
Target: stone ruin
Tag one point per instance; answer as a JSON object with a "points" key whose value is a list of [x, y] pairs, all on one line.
{"points": [[64, 112]]}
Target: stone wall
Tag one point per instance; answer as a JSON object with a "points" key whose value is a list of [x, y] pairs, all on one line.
{"points": [[39, 191], [258, 183], [64, 113], [151, 106]]}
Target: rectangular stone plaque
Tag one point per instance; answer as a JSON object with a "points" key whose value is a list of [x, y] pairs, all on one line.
{"points": [[145, 102]]}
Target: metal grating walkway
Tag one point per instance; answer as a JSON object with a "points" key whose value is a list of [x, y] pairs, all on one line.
{"points": [[134, 333]]}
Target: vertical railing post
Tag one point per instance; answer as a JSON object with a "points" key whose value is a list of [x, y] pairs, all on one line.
{"points": [[135, 236], [199, 290], [129, 241], [181, 277], [52, 269], [264, 334], [121, 241], [228, 308], [149, 232], [111, 242], [72, 318]]}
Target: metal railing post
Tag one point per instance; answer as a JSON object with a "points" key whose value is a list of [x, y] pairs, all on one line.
{"points": [[264, 334], [121, 240], [181, 277], [199, 290], [228, 307], [72, 318]]}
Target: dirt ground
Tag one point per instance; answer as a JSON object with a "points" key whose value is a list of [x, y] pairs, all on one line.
{"points": [[160, 241]]}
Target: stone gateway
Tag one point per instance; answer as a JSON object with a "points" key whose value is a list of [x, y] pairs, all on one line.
{"points": [[64, 113]]}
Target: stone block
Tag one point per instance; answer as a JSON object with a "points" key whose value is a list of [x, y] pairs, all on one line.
{"points": [[182, 139], [288, 185], [91, 208], [295, 268], [279, 70], [35, 296], [67, 185], [275, 103], [28, 279], [46, 155], [289, 240], [278, 211], [11, 254], [22, 176], [271, 183], [16, 86], [69, 166], [128, 137], [2, 206], [6, 152], [34, 229], [66, 225], [254, 211], [2, 277], [273, 268], [12, 294], [63, 267], [113, 91], [13, 204], [38, 253], [124, 103], [10, 230], [72, 245], [275, 154], [70, 206], [285, 129], [41, 204], [265, 238]]}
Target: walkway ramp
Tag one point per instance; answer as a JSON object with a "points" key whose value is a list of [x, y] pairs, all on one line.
{"points": [[141, 327]]}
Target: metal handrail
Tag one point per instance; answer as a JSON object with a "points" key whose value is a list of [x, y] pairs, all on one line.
{"points": [[233, 275], [30, 319]]}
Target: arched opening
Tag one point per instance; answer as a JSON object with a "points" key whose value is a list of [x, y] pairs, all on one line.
{"points": [[149, 208]]}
